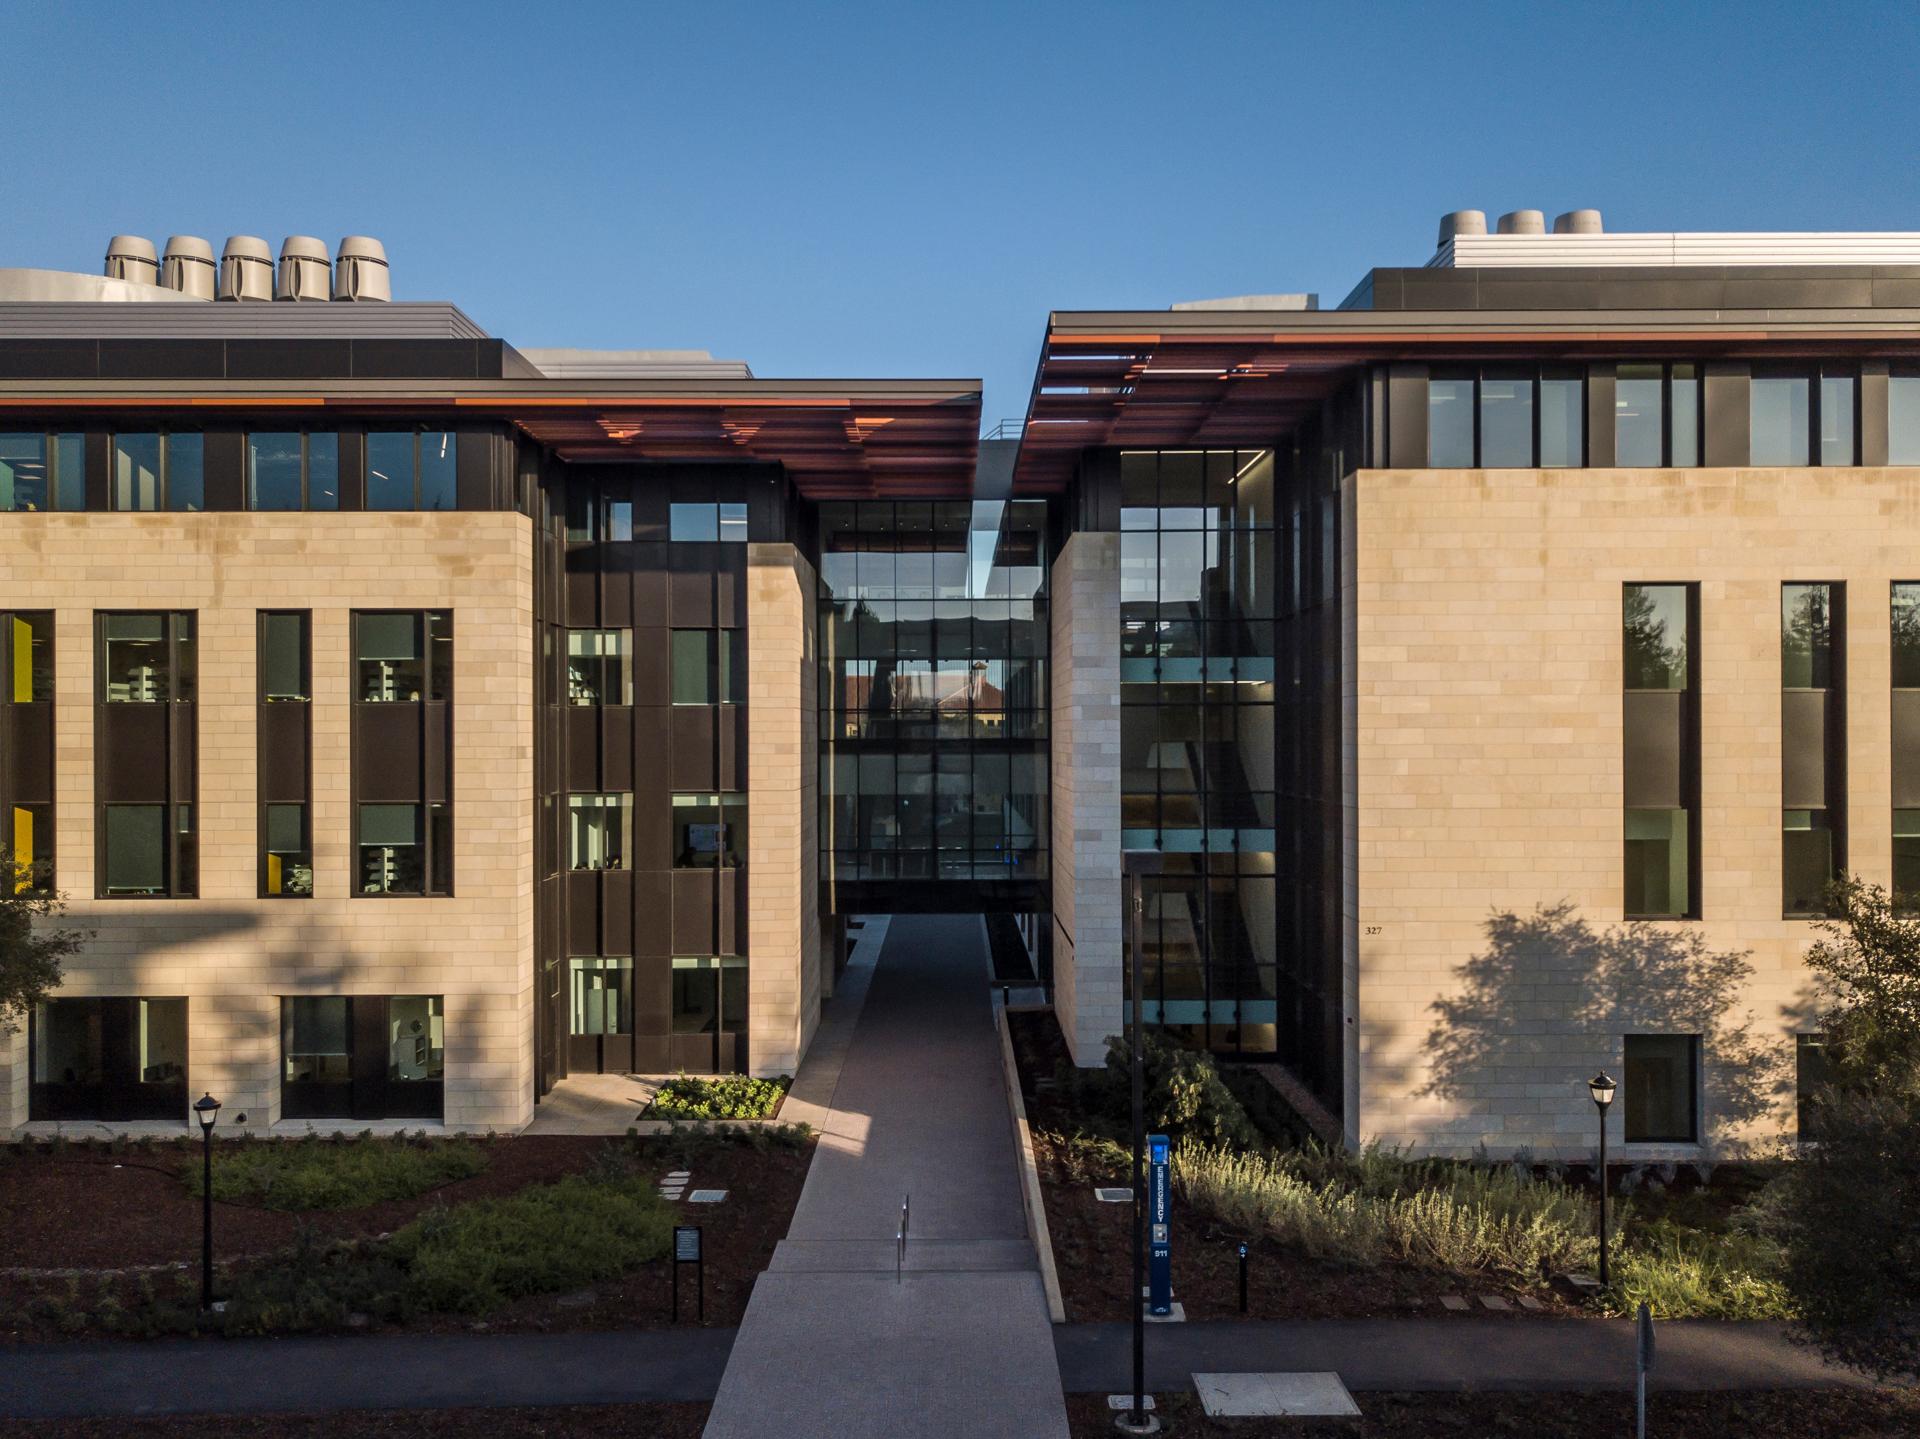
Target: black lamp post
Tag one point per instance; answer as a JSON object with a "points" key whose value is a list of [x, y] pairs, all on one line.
{"points": [[1601, 1088], [207, 1108], [1136, 866]]}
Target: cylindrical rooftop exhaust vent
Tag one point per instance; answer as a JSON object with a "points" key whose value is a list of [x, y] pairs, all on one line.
{"points": [[129, 257], [1523, 222], [246, 269], [361, 273], [188, 267], [1578, 222], [305, 269], [1462, 222]]}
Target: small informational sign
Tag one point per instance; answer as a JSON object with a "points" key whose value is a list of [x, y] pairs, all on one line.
{"points": [[1159, 1226], [686, 1250]]}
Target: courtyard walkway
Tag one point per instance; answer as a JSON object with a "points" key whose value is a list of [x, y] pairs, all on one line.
{"points": [[832, 1342]]}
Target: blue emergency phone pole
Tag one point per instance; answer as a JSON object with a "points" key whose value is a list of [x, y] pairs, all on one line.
{"points": [[1159, 1227]]}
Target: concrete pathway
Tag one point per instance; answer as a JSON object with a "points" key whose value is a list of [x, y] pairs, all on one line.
{"points": [[1447, 1354], [427, 1371], [832, 1343]]}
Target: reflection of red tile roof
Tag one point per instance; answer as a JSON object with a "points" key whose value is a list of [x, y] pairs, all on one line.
{"points": [[940, 690]]}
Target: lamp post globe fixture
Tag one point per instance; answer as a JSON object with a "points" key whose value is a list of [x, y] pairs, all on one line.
{"points": [[1601, 1087], [207, 1110]]}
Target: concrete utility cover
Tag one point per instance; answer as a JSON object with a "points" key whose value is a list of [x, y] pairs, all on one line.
{"points": [[1236, 1396], [706, 1196], [1114, 1196]]}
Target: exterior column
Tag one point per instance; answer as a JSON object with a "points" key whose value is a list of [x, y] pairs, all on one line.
{"points": [[783, 889], [1087, 918]]}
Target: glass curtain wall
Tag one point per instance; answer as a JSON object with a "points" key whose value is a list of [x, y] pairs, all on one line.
{"points": [[1197, 742], [933, 690]]}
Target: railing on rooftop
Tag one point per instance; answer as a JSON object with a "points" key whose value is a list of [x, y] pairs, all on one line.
{"points": [[1006, 430]]}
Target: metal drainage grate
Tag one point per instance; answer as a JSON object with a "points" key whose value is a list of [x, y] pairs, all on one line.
{"points": [[706, 1196]]}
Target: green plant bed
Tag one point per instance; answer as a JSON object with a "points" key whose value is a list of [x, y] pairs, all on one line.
{"points": [[312, 1174], [727, 1096], [546, 1238]]}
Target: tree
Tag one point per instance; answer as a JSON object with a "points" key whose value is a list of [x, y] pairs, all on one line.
{"points": [[1849, 1212], [30, 953]]}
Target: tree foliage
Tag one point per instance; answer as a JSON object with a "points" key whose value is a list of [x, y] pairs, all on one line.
{"points": [[1849, 1213], [30, 951]]}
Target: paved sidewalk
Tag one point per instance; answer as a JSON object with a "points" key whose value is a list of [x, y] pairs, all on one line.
{"points": [[426, 1371], [392, 1371], [1447, 1354], [832, 1344]]}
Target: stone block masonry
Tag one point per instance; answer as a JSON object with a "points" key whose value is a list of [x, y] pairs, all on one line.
{"points": [[232, 954], [1088, 920]]}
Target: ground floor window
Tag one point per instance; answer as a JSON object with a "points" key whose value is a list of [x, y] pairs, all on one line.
{"points": [[1662, 1091], [602, 994], [108, 1059], [362, 1056]]}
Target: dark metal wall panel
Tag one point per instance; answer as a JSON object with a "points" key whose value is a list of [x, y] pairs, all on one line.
{"points": [[1655, 749], [1906, 749], [437, 725], [652, 664], [616, 749], [583, 913], [653, 909], [353, 468], [616, 912], [691, 766], [1600, 418], [477, 470], [583, 747], [1873, 412], [732, 728], [690, 598], [133, 763], [30, 751], [99, 471], [1728, 439], [388, 761], [283, 759], [693, 906], [730, 586], [1407, 416], [1803, 749], [226, 470]]}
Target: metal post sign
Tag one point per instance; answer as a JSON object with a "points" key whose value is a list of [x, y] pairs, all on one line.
{"points": [[686, 1250], [1159, 1227]]}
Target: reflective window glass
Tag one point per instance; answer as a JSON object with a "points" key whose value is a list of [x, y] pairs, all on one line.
{"points": [[392, 860], [390, 469], [1639, 417], [1782, 419], [602, 994], [26, 481], [600, 667], [1806, 636], [323, 471], [1506, 420], [136, 841], [1906, 636], [136, 472], [317, 1039], [283, 656], [186, 472], [287, 859], [693, 523], [1563, 417], [600, 831], [1836, 419], [1655, 635], [1683, 397], [1658, 864], [273, 471], [439, 487], [1903, 420], [1450, 423], [416, 1038], [391, 666]]}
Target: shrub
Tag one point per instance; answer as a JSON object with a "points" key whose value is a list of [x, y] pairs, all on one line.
{"points": [[1185, 1096], [729, 1096], [1682, 1273], [545, 1238], [307, 1174], [1376, 1207], [320, 1286]]}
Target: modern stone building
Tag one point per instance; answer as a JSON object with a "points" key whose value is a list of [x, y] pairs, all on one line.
{"points": [[1474, 684]]}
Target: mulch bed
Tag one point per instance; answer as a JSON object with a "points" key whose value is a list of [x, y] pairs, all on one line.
{"points": [[603, 1421], [1092, 1241], [1802, 1413], [78, 1210]]}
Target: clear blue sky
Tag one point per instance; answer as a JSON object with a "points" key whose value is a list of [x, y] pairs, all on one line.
{"points": [[904, 189]]}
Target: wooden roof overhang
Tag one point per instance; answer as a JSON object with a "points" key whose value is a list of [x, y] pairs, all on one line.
{"points": [[837, 439], [1172, 379]]}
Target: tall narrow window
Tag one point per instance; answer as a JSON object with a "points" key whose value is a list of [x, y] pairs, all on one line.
{"points": [[26, 750], [1782, 419], [1563, 418], [1838, 401], [283, 743], [1906, 747], [1812, 745], [600, 830], [602, 994], [146, 840], [1506, 418], [1903, 418], [1662, 757]]}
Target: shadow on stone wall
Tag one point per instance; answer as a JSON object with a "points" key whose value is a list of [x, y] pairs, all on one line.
{"points": [[1550, 989]]}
